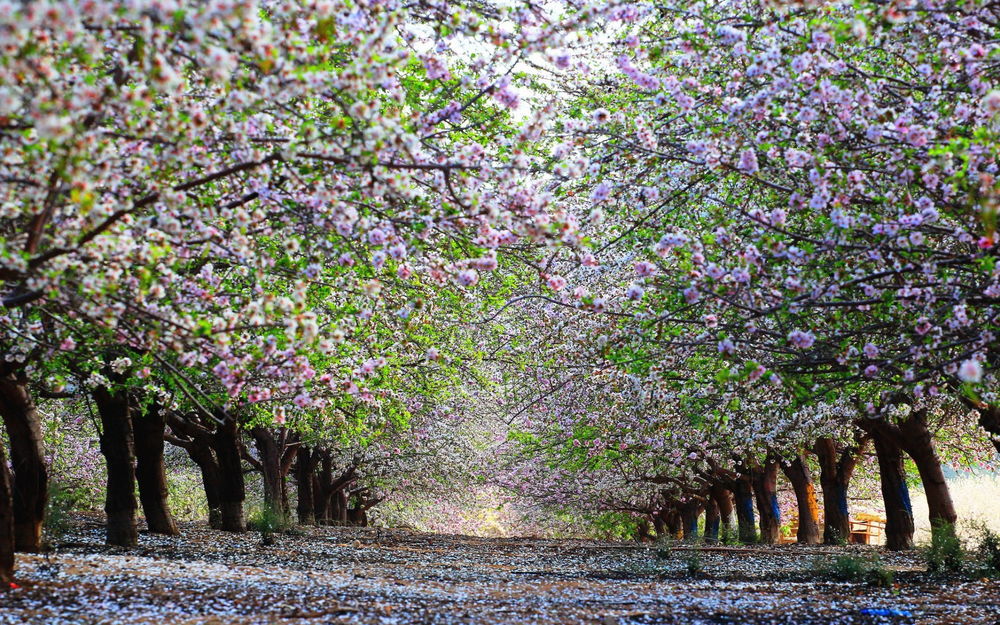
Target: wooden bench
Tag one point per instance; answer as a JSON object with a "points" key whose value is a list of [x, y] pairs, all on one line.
{"points": [[793, 532], [867, 529]]}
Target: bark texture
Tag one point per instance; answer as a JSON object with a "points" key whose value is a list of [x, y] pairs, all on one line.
{"points": [[765, 490], [837, 464], [30, 483], [797, 472], [149, 429], [117, 447], [6, 522], [895, 494]]}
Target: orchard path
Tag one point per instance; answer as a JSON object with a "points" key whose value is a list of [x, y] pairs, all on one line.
{"points": [[344, 575]]}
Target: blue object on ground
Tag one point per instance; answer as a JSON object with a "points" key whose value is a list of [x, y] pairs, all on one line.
{"points": [[885, 612]]}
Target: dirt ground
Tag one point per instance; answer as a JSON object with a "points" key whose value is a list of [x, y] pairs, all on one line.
{"points": [[345, 575]]}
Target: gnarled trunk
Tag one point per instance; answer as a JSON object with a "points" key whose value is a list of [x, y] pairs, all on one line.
{"points": [[276, 453], [29, 488], [895, 493], [658, 525], [270, 460], [916, 441], [117, 447], [836, 467], [212, 485], [743, 496], [304, 467], [797, 472], [357, 517], [196, 440], [989, 420], [723, 503], [339, 507], [322, 483], [765, 490], [690, 511], [712, 521], [148, 432], [6, 522], [232, 487]]}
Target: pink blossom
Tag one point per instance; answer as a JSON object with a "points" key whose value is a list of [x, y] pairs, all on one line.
{"points": [[801, 339], [971, 371], [468, 277], [645, 268]]}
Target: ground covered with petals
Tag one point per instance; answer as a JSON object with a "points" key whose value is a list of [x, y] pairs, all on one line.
{"points": [[346, 575]]}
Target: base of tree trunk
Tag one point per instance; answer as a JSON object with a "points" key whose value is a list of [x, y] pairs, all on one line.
{"points": [[232, 519], [712, 522], [765, 490], [746, 523], [895, 495], [215, 518], [122, 529], [150, 473], [30, 485], [836, 520], [6, 522]]}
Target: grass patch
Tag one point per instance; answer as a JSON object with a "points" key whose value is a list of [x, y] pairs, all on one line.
{"points": [[269, 521], [856, 569], [945, 552]]}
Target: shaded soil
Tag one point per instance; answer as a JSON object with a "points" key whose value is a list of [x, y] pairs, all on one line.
{"points": [[346, 575]]}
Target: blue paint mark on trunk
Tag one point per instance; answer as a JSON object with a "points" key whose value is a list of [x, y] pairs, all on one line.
{"points": [[692, 528], [712, 529], [774, 508], [842, 499], [746, 505], [904, 496]]}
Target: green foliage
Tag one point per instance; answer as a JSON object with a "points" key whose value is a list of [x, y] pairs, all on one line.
{"points": [[186, 495], [663, 549], [269, 521], [988, 551], [694, 565], [62, 501], [945, 553], [729, 535], [614, 525], [857, 569]]}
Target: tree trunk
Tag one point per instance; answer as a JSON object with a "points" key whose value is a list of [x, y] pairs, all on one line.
{"points": [[304, 467], [117, 447], [642, 531], [712, 521], [196, 440], [148, 430], [340, 508], [723, 503], [895, 493], [765, 490], [322, 481], [212, 485], [989, 420], [743, 494], [27, 456], [836, 469], [6, 522], [270, 461], [658, 525], [232, 487], [357, 517], [917, 442], [690, 512], [797, 472]]}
